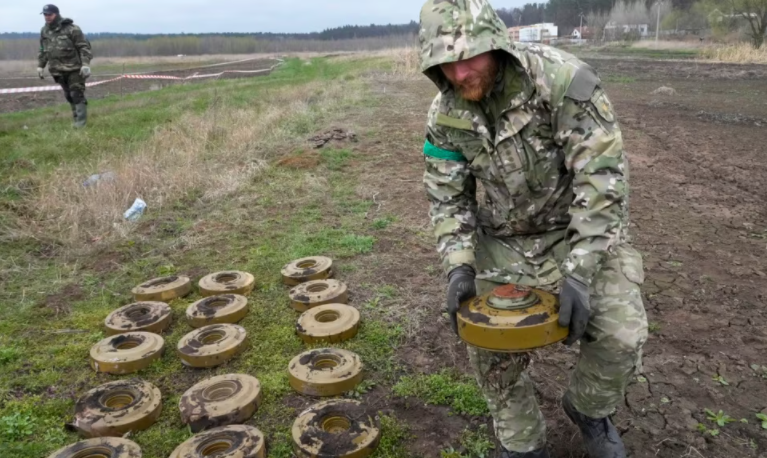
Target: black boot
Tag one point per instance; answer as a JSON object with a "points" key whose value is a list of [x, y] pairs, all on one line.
{"points": [[74, 111], [81, 115], [599, 434], [541, 453]]}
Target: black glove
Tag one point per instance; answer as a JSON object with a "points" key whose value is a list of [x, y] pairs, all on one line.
{"points": [[574, 309], [459, 289]]}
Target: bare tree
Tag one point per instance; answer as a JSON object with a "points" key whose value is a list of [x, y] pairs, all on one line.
{"points": [[628, 12], [755, 12], [597, 22]]}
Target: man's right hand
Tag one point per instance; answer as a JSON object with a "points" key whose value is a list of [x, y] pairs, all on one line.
{"points": [[40, 72], [460, 288]]}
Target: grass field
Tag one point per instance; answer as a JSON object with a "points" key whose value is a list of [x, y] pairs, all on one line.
{"points": [[203, 157]]}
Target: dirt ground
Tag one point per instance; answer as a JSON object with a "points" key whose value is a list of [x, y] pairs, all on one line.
{"points": [[25, 101], [700, 219]]}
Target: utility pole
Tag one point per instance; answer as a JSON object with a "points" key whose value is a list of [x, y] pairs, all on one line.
{"points": [[657, 25], [580, 31]]}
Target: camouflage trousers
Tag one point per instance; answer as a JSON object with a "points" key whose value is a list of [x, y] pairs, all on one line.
{"points": [[610, 352], [73, 85]]}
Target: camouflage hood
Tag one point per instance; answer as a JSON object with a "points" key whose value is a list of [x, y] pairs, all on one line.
{"points": [[453, 30], [60, 22]]}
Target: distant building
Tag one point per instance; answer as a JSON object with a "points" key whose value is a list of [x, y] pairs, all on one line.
{"points": [[718, 16], [536, 33], [583, 33], [514, 33], [615, 30]]}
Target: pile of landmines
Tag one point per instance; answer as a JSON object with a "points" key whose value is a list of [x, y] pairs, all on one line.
{"points": [[216, 407]]}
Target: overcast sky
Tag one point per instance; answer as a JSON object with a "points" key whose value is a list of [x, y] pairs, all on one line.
{"points": [[196, 16]]}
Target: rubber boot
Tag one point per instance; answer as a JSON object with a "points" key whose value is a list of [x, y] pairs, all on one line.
{"points": [[541, 453], [74, 111], [81, 115], [599, 434]]}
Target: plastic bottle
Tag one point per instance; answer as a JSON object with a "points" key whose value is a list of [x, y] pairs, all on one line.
{"points": [[135, 211]]}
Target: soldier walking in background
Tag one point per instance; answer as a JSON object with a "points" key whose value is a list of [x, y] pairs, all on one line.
{"points": [[535, 127], [66, 51]]}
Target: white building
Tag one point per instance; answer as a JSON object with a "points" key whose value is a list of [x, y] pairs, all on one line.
{"points": [[538, 33], [613, 29]]}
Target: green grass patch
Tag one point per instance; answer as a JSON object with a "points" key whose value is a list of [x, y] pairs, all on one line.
{"points": [[458, 392], [383, 223], [394, 436], [336, 159], [474, 444], [54, 304], [619, 79]]}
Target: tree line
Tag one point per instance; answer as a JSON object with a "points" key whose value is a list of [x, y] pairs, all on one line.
{"points": [[336, 33]]}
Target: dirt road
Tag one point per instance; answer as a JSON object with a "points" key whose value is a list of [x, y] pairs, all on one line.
{"points": [[26, 101], [699, 213]]}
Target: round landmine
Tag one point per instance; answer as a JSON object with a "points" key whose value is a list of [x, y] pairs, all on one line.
{"points": [[338, 428], [227, 308], [235, 441], [307, 269], [152, 317], [328, 323], [511, 318], [103, 447], [229, 282], [212, 345], [220, 401], [117, 408], [127, 353], [325, 372], [318, 292], [163, 289]]}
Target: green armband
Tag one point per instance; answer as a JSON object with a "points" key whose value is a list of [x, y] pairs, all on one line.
{"points": [[439, 153]]}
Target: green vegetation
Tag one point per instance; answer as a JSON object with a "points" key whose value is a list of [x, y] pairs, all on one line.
{"points": [[394, 434], [720, 418], [57, 290], [619, 79], [458, 392], [763, 419], [383, 223], [474, 444]]}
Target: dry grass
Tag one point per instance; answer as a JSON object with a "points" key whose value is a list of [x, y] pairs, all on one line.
{"points": [[667, 44], [405, 61], [742, 53], [215, 152]]}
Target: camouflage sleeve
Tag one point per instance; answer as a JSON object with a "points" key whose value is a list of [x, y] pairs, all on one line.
{"points": [[42, 58], [593, 147], [82, 44], [451, 189]]}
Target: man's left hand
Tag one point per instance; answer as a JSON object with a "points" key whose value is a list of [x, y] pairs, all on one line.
{"points": [[574, 309], [85, 71], [460, 288]]}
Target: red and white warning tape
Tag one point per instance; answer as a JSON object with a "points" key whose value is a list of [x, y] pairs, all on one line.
{"points": [[19, 90]]}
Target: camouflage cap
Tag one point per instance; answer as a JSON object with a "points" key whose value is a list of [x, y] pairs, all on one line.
{"points": [[50, 9], [454, 30]]}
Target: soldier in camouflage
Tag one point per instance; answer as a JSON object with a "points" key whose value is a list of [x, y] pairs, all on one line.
{"points": [[66, 51], [535, 127]]}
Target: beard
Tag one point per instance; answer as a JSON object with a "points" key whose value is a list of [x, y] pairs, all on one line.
{"points": [[478, 87]]}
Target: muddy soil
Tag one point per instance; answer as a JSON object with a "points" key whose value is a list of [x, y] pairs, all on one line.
{"points": [[26, 101], [699, 216]]}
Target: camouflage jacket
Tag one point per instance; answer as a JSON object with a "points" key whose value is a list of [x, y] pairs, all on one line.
{"points": [[549, 154], [63, 47]]}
